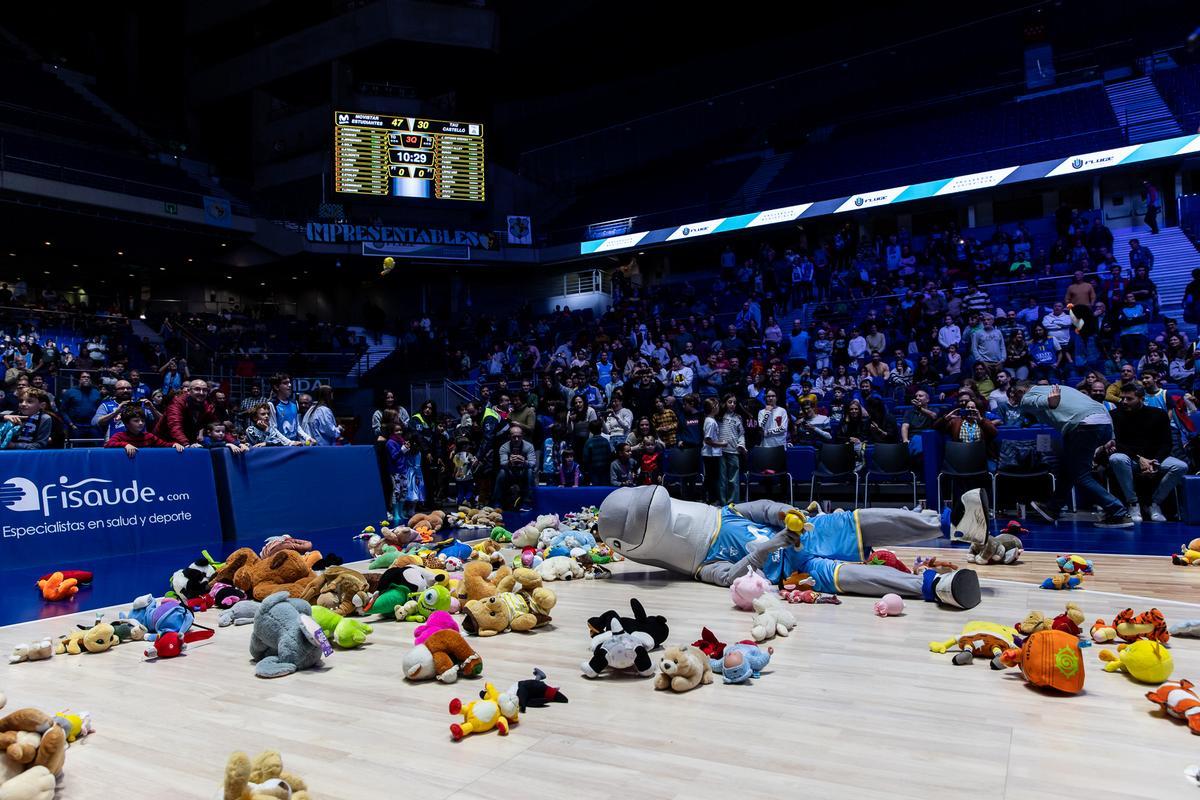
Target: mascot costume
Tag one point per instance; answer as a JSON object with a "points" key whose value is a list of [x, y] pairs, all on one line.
{"points": [[715, 545]]}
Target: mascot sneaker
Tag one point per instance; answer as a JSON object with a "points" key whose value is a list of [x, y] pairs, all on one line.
{"points": [[958, 589], [972, 526]]}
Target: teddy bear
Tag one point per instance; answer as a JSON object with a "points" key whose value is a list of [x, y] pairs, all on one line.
{"points": [[682, 669], [32, 753], [444, 655], [618, 649], [1188, 554], [282, 642], [479, 581], [426, 525], [258, 577], [261, 779], [345, 633], [97, 639], [521, 604], [343, 590], [1069, 621], [559, 568], [32, 651], [771, 619], [1005, 548]]}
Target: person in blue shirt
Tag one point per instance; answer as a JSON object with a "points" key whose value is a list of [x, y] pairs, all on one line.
{"points": [[646, 525], [107, 419], [285, 411], [140, 390], [78, 405]]}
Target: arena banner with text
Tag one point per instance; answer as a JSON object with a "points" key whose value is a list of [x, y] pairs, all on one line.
{"points": [[344, 233], [75, 505]]}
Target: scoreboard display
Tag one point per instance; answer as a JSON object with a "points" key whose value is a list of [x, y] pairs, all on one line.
{"points": [[387, 156]]}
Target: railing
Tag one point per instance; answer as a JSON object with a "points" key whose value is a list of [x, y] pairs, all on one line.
{"points": [[592, 280], [341, 365], [445, 394]]}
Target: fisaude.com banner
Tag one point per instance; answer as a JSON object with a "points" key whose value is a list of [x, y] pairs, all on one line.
{"points": [[71, 505]]}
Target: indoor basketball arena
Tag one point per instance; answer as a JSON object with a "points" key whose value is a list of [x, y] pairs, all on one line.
{"points": [[568, 383]]}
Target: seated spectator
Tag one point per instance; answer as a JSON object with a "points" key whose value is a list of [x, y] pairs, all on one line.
{"points": [[877, 367], [624, 470], [134, 436], [1046, 356], [965, 423], [596, 456], [1142, 441], [1031, 314], [107, 418], [1128, 377], [517, 471], [983, 379], [666, 423], [1181, 364], [261, 433], [1098, 391], [568, 471], [649, 455], [187, 415], [33, 422], [1155, 395]]}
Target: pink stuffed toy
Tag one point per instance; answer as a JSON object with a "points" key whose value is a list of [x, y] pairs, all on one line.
{"points": [[796, 595], [438, 621], [748, 588], [889, 605]]}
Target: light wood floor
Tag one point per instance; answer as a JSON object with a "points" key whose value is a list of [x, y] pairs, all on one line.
{"points": [[854, 707]]}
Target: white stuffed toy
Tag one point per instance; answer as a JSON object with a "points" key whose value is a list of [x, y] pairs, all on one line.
{"points": [[771, 619], [559, 568], [532, 534]]}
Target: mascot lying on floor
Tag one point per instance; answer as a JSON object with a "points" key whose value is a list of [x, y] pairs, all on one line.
{"points": [[715, 545]]}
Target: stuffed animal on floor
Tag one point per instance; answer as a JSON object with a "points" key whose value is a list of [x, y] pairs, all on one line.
{"points": [[479, 581], [1144, 661], [241, 613], [655, 626], [1189, 627], [591, 568], [528, 557], [1188, 554], [709, 644], [419, 609], [1062, 582], [75, 726], [99, 638], [427, 525], [1005, 548], [1049, 660], [161, 615], [56, 588], [33, 651], [284, 570], [522, 605], [618, 649], [742, 661], [747, 588], [771, 619], [396, 538], [285, 637], [560, 568], [1179, 700], [531, 534], [1130, 627], [444, 655], [343, 590], [1075, 565], [346, 633], [32, 753], [682, 669], [224, 595], [535, 692], [438, 621], [1070, 621], [396, 587], [890, 605], [172, 644], [277, 544], [978, 639], [193, 580], [261, 779], [491, 710]]}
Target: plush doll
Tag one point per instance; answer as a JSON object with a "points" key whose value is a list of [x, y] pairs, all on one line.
{"points": [[1074, 565], [161, 615], [444, 655], [479, 581], [285, 637], [617, 649], [1062, 582], [1130, 627], [890, 605], [591, 569], [453, 548], [771, 619], [571, 540], [1049, 660], [682, 669], [1188, 554], [521, 605], [33, 651], [747, 588], [75, 726], [172, 644], [531, 535], [276, 544], [260, 779], [435, 598], [1005, 548], [535, 693], [491, 710], [438, 621], [1189, 627], [742, 661], [427, 525], [97, 639], [343, 590], [193, 580], [1083, 319], [978, 639], [32, 753], [56, 588], [709, 644], [655, 626], [1179, 700], [225, 596], [240, 613], [1069, 621], [560, 568], [528, 558], [499, 535], [344, 632], [1145, 661], [284, 570], [199, 605], [396, 587]]}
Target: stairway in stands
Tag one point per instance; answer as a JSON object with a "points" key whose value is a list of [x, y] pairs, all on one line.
{"points": [[377, 351], [744, 200], [1140, 108], [1174, 259]]}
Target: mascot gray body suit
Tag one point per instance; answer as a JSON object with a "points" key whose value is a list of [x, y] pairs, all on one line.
{"points": [[715, 545]]}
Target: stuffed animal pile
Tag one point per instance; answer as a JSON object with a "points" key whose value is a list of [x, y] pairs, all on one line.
{"points": [[33, 750]]}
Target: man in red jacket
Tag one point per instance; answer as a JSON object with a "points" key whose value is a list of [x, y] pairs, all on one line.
{"points": [[184, 421], [135, 435]]}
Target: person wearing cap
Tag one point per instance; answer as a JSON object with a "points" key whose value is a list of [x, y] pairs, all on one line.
{"points": [[716, 545]]}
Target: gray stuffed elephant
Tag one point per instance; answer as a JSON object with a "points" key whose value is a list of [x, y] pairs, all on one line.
{"points": [[282, 642]]}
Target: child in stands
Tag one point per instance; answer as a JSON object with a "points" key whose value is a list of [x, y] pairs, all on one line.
{"points": [[465, 464], [568, 470], [408, 484], [135, 436], [649, 455]]}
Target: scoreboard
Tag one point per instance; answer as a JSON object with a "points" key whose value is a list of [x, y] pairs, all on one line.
{"points": [[387, 156]]}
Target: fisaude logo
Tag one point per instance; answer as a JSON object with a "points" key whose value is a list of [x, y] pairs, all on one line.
{"points": [[22, 494]]}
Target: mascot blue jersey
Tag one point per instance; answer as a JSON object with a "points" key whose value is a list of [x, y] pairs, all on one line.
{"points": [[834, 539]]}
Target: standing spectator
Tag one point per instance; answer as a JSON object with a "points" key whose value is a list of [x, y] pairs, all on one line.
{"points": [[1031, 314], [568, 470], [465, 464], [618, 420], [987, 344], [79, 406], [134, 436], [1045, 355], [666, 423], [319, 421], [1140, 257], [1058, 326], [285, 411], [597, 456], [187, 415], [732, 441], [387, 401], [711, 451], [260, 432], [174, 373], [949, 333], [408, 480], [680, 378], [649, 455], [1080, 292], [35, 424], [623, 470], [1152, 205], [1134, 322], [1085, 426], [773, 421], [107, 419], [1143, 441]]}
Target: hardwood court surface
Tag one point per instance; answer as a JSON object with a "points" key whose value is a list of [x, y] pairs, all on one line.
{"points": [[853, 706]]}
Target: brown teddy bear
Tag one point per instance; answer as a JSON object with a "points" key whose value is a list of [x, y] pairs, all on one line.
{"points": [[284, 571], [343, 590], [426, 525], [32, 753], [1070, 621], [261, 779], [683, 669], [445, 655], [479, 582], [522, 604]]}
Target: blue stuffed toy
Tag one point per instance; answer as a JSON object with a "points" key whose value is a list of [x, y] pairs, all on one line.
{"points": [[568, 540], [161, 615], [456, 549], [741, 662]]}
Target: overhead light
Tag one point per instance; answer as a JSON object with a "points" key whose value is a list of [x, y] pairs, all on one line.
{"points": [[46, 243], [14, 255], [131, 275], [262, 283], [228, 277], [45, 272], [223, 244], [120, 252], [141, 316], [295, 278], [76, 266], [162, 269], [189, 261]]}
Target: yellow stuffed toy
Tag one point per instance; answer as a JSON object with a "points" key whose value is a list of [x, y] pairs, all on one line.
{"points": [[491, 710], [1145, 661], [261, 779], [1188, 555]]}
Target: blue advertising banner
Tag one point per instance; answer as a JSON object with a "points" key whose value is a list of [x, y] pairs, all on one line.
{"points": [[95, 503]]}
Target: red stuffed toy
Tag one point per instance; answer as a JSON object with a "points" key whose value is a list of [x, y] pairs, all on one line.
{"points": [[171, 644]]}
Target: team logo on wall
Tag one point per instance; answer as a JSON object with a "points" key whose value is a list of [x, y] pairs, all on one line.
{"points": [[1077, 163]]}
